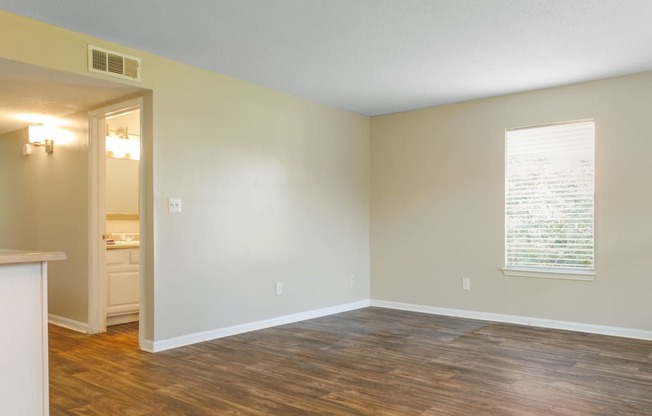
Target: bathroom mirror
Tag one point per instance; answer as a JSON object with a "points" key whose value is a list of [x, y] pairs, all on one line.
{"points": [[121, 189]]}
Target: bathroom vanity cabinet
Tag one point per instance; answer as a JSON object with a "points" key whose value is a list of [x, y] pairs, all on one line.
{"points": [[123, 278]]}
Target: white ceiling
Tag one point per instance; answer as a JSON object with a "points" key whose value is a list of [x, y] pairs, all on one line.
{"points": [[377, 56]]}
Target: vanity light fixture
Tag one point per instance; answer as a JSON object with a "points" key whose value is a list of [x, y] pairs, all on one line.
{"points": [[121, 145], [39, 135]]}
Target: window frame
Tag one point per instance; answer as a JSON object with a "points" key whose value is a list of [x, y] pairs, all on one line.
{"points": [[548, 272]]}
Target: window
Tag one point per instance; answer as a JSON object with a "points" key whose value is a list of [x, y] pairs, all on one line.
{"points": [[549, 186]]}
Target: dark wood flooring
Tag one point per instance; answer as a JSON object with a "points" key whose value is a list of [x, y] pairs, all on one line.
{"points": [[365, 362]]}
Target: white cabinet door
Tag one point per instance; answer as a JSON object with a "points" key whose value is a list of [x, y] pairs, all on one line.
{"points": [[123, 288], [123, 280]]}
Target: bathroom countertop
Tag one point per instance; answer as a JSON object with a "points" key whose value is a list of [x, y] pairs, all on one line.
{"points": [[9, 256], [122, 245]]}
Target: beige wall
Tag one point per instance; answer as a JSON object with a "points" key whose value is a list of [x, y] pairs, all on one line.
{"points": [[273, 188], [44, 207], [17, 198], [62, 218], [437, 205]]}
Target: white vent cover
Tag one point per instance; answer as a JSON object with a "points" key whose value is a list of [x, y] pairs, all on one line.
{"points": [[113, 63]]}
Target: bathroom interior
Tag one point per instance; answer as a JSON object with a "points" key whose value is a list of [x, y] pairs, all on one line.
{"points": [[122, 216]]}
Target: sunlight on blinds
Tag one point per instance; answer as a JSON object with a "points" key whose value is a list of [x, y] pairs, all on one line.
{"points": [[549, 183]]}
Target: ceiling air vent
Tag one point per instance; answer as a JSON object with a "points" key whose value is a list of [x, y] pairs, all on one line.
{"points": [[113, 63]]}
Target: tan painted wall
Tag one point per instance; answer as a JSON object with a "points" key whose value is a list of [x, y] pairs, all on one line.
{"points": [[17, 198], [273, 188], [437, 205], [62, 218], [44, 207]]}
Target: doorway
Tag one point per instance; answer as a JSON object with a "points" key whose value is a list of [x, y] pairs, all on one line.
{"points": [[115, 281]]}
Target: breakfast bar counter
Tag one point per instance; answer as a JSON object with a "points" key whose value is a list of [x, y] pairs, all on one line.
{"points": [[23, 256], [24, 327]]}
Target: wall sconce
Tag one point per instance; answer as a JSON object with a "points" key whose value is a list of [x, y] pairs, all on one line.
{"points": [[39, 135]]}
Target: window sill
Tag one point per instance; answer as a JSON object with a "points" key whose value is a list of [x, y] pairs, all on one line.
{"points": [[564, 274]]}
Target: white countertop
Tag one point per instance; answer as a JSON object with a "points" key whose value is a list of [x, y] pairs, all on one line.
{"points": [[8, 256], [122, 245]]}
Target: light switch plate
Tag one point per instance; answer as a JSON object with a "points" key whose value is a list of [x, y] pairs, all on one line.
{"points": [[466, 283]]}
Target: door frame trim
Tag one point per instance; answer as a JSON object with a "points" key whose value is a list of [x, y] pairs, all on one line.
{"points": [[97, 282]]}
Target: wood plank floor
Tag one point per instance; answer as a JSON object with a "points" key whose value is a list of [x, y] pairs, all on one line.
{"points": [[365, 362]]}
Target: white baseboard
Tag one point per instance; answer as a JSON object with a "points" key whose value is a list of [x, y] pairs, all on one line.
{"points": [[122, 319], [68, 323], [162, 345], [157, 346], [520, 320]]}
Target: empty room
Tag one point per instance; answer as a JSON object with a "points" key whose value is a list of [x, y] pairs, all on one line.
{"points": [[284, 207]]}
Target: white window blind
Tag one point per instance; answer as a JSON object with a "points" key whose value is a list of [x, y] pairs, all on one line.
{"points": [[549, 196]]}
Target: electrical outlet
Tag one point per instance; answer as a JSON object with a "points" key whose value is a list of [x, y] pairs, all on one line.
{"points": [[279, 288], [174, 205], [352, 279], [466, 283]]}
